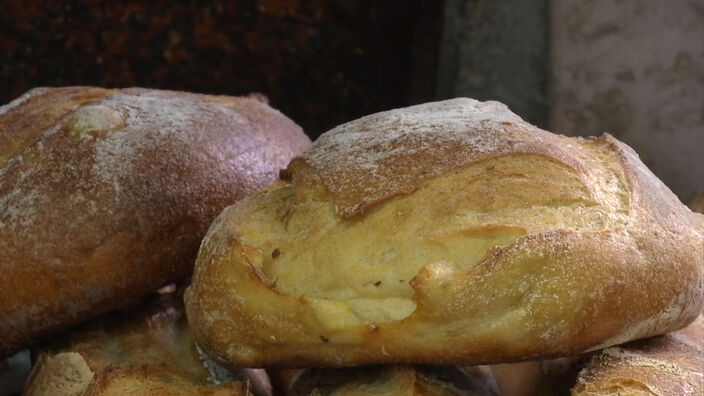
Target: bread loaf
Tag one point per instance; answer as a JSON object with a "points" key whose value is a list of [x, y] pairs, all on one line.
{"points": [[106, 194], [148, 351], [672, 364], [450, 232]]}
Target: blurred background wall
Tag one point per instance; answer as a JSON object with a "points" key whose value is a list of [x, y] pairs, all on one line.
{"points": [[633, 68], [497, 50]]}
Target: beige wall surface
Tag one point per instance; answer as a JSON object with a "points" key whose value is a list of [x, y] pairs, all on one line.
{"points": [[635, 69]]}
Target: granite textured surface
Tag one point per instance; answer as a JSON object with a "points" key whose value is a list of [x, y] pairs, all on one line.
{"points": [[635, 69]]}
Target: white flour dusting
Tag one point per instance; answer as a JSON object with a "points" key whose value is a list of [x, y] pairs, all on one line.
{"points": [[28, 95]]}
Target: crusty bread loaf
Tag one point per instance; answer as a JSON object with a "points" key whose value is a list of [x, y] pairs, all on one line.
{"points": [[106, 194], [392, 381], [148, 351], [449, 232], [672, 364]]}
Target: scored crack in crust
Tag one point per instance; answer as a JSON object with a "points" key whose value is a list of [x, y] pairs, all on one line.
{"points": [[106, 194], [449, 232]]}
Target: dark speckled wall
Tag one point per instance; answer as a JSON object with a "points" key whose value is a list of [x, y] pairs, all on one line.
{"points": [[321, 62]]}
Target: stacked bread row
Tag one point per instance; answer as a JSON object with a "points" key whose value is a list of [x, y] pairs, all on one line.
{"points": [[422, 250]]}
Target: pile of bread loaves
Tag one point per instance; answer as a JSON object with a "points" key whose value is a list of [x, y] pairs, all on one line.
{"points": [[447, 248]]}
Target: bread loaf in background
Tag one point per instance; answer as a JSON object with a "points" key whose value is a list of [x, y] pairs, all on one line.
{"points": [[672, 364], [148, 351], [106, 194], [449, 232]]}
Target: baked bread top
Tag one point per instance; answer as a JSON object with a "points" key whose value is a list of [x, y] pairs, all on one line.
{"points": [[105, 194], [449, 232]]}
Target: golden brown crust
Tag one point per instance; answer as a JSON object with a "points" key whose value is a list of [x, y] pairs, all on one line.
{"points": [[672, 364], [149, 351], [106, 194], [139, 382], [459, 234], [372, 159]]}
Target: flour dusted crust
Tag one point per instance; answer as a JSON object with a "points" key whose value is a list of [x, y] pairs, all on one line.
{"points": [[672, 364], [149, 351], [106, 194], [449, 232]]}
